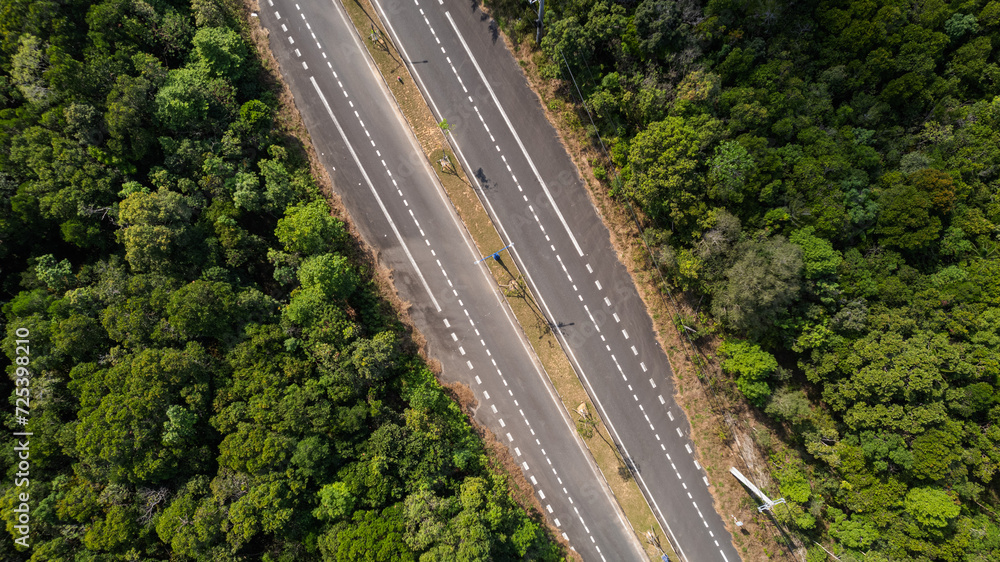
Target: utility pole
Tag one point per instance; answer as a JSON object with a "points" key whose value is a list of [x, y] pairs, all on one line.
{"points": [[768, 502], [538, 22]]}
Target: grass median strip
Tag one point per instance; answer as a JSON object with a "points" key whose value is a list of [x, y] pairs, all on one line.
{"points": [[431, 136]]}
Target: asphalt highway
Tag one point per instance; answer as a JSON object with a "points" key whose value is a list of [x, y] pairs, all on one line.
{"points": [[533, 192], [402, 211]]}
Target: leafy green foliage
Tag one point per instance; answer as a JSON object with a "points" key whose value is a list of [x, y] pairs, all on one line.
{"points": [[220, 51], [55, 275], [336, 501], [822, 178], [818, 255], [121, 431], [179, 427], [309, 229], [753, 365], [906, 221], [931, 507], [370, 537], [155, 229], [663, 160], [331, 274], [728, 171], [202, 309], [760, 285], [28, 67], [182, 102]]}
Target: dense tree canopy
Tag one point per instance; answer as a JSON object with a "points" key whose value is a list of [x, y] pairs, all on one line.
{"points": [[213, 373]]}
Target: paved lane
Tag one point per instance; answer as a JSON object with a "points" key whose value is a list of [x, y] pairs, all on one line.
{"points": [[533, 192], [402, 211]]}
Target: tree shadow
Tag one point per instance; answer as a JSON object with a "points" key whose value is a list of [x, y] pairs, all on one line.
{"points": [[481, 177], [788, 541], [494, 30], [627, 468], [522, 293]]}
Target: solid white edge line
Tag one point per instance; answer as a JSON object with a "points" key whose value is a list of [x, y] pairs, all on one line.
{"points": [[539, 370], [381, 205], [510, 126]]}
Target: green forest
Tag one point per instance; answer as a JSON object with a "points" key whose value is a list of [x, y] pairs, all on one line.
{"points": [[212, 372], [822, 179]]}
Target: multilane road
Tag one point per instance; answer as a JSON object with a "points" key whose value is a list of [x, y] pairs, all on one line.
{"points": [[402, 211], [532, 190]]}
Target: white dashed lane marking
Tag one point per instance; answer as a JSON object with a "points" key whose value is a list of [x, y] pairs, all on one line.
{"points": [[597, 283], [542, 228]]}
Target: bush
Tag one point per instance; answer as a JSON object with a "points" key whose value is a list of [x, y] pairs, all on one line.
{"points": [[753, 365]]}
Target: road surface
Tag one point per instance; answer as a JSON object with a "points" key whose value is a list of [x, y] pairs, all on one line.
{"points": [[532, 191], [401, 210]]}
